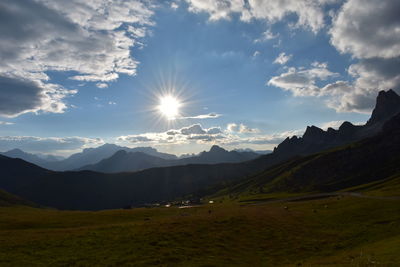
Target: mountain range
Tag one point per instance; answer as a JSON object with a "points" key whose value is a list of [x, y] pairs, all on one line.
{"points": [[316, 139], [111, 158], [318, 161], [32, 158], [124, 161], [376, 158]]}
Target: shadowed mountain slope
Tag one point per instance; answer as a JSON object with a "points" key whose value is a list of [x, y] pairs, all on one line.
{"points": [[88, 190], [32, 158], [316, 139], [372, 159]]}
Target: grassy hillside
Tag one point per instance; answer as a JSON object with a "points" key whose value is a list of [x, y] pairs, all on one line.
{"points": [[373, 160], [7, 199], [343, 231]]}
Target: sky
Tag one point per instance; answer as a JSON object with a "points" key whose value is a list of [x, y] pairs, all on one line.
{"points": [[239, 74]]}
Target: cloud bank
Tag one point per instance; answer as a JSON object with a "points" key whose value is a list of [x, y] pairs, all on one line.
{"points": [[89, 39], [234, 134], [56, 145], [309, 13]]}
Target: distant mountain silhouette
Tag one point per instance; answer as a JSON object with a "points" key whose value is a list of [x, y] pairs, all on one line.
{"points": [[86, 157], [35, 159], [316, 139], [123, 161], [94, 155], [219, 155], [102, 158]]}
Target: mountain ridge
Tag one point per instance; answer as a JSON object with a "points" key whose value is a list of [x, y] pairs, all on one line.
{"points": [[315, 139], [372, 159], [134, 161]]}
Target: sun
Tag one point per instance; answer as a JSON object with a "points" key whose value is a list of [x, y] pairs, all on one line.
{"points": [[169, 107]]}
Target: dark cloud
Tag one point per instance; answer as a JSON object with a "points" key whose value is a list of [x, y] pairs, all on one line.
{"points": [[18, 96]]}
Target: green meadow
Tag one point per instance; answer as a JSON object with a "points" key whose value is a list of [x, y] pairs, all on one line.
{"points": [[342, 231]]}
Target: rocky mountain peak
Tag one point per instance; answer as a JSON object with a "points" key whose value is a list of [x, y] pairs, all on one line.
{"points": [[313, 132], [217, 149], [387, 105]]}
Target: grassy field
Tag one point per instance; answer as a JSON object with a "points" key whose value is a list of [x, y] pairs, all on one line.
{"points": [[343, 231]]}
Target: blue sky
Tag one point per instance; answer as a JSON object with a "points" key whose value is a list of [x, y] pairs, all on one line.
{"points": [[257, 77]]}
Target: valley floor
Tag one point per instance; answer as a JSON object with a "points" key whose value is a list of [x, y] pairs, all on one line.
{"points": [[337, 230]]}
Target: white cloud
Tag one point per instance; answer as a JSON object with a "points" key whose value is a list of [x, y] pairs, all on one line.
{"points": [[256, 54], [88, 38], [6, 123], [340, 95], [202, 116], [282, 58], [261, 139], [368, 28], [241, 128], [193, 133], [196, 134], [309, 12], [193, 129], [336, 124], [232, 127], [267, 35], [174, 5], [331, 124], [218, 9], [102, 85], [369, 31], [302, 82], [35, 144]]}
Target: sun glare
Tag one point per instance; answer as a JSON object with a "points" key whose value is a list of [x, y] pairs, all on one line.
{"points": [[169, 107]]}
